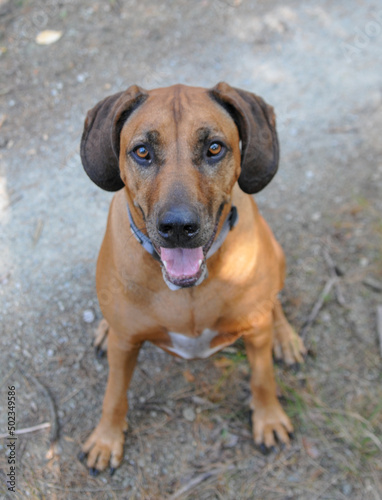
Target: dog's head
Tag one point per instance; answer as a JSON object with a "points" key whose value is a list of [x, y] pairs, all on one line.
{"points": [[179, 151]]}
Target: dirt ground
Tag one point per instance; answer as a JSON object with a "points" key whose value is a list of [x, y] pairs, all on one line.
{"points": [[319, 64]]}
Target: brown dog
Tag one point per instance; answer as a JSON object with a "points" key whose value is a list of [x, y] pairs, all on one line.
{"points": [[187, 159]]}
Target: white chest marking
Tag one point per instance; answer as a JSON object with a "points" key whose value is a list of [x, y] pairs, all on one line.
{"points": [[193, 347]]}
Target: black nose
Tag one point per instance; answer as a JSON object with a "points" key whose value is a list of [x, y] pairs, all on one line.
{"points": [[178, 225]]}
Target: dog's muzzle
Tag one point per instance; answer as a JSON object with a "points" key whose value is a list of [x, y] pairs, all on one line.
{"points": [[182, 266]]}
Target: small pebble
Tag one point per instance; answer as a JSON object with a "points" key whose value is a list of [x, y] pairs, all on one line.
{"points": [[230, 440], [326, 317], [293, 478], [347, 489], [88, 316], [81, 78], [189, 414]]}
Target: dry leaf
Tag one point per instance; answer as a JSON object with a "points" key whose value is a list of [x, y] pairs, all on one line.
{"points": [[310, 448], [223, 362], [316, 474], [47, 37], [188, 376]]}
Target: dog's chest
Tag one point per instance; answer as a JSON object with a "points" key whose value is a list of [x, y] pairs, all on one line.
{"points": [[194, 347]]}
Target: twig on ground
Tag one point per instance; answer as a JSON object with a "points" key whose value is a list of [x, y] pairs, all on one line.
{"points": [[317, 306], [38, 231], [82, 490], [26, 430], [327, 486], [51, 404], [334, 269], [5, 91], [199, 479], [9, 375], [335, 272], [13, 201], [379, 326], [350, 414], [149, 406], [151, 428], [373, 284], [72, 394]]}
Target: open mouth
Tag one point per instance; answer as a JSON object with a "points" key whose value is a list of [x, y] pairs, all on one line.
{"points": [[185, 267]]}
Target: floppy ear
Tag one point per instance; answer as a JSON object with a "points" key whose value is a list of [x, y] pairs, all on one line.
{"points": [[100, 142], [256, 123]]}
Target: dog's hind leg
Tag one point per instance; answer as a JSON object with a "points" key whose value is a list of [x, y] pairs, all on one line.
{"points": [[100, 338], [287, 344]]}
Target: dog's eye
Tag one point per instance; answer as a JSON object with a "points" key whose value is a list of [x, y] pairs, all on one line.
{"points": [[214, 149], [142, 152], [142, 155]]}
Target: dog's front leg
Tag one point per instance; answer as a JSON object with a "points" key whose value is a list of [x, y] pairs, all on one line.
{"points": [[106, 442], [269, 420]]}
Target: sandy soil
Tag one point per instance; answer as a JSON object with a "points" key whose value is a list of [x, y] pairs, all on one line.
{"points": [[319, 64]]}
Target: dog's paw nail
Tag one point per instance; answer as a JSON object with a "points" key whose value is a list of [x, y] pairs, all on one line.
{"points": [[311, 353], [81, 456], [291, 435], [265, 450], [93, 472], [112, 470]]}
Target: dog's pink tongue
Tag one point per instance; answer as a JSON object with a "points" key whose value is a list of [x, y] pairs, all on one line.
{"points": [[182, 261]]}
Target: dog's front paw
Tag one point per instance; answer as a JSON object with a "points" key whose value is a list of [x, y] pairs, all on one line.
{"points": [[271, 425], [104, 446], [100, 338], [287, 344]]}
